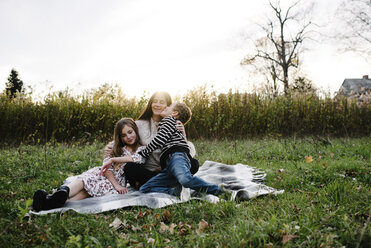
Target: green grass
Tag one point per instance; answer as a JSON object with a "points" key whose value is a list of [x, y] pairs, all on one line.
{"points": [[326, 202]]}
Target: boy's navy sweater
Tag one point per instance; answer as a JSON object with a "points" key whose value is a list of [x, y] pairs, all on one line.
{"points": [[169, 139]]}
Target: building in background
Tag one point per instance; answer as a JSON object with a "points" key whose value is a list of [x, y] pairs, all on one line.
{"points": [[356, 88]]}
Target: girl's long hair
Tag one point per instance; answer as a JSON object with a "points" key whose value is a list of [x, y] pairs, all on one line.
{"points": [[147, 112], [118, 144]]}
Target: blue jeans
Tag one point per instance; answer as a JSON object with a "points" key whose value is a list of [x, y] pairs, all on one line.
{"points": [[178, 170]]}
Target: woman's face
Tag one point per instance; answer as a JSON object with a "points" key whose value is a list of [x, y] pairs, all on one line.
{"points": [[158, 104], [128, 135]]}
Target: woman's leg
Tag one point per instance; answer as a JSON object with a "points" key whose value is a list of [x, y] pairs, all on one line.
{"points": [[137, 175]]}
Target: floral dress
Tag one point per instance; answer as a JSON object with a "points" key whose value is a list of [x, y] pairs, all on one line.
{"points": [[96, 185]]}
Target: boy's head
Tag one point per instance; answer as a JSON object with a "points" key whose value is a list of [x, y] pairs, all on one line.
{"points": [[178, 110]]}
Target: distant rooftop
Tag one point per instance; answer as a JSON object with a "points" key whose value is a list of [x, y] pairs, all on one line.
{"points": [[355, 86]]}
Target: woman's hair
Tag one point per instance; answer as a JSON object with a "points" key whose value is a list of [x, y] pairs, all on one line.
{"points": [[118, 144], [147, 112]]}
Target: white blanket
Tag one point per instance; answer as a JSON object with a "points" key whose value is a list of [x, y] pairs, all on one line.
{"points": [[243, 181]]}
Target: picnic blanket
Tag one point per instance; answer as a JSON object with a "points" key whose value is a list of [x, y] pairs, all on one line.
{"points": [[243, 181]]}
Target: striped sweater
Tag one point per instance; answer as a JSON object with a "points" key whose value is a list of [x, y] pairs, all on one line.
{"points": [[169, 139]]}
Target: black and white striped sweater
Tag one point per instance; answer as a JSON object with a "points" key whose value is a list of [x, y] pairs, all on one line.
{"points": [[169, 139]]}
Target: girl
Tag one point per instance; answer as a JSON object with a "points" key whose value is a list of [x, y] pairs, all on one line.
{"points": [[126, 146]]}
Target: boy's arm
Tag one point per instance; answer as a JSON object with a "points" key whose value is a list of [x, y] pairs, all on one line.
{"points": [[167, 128]]}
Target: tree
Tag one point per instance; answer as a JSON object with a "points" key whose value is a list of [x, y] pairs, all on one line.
{"points": [[354, 17], [14, 84], [303, 86], [279, 50]]}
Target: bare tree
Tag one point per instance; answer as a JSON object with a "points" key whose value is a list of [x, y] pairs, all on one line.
{"points": [[353, 27], [279, 50]]}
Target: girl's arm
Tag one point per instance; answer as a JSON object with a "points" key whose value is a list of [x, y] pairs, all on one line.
{"points": [[110, 161], [116, 185]]}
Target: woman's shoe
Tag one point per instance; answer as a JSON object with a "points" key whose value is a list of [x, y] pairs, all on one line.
{"points": [[39, 199]]}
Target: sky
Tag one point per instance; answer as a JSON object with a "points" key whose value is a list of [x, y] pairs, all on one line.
{"points": [[147, 46]]}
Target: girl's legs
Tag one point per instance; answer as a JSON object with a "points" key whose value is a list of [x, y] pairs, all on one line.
{"points": [[77, 191], [79, 196], [75, 187]]}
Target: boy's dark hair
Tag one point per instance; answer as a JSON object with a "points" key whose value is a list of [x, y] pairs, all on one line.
{"points": [[184, 112]]}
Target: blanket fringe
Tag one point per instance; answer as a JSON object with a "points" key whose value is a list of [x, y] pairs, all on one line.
{"points": [[258, 176]]}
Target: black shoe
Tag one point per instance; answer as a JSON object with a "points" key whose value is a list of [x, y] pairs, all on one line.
{"points": [[39, 199], [58, 198], [177, 190]]}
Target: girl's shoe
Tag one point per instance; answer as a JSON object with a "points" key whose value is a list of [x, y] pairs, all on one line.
{"points": [[58, 198], [39, 199]]}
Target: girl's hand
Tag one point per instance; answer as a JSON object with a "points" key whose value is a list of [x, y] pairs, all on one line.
{"points": [[121, 190], [105, 166], [158, 169], [180, 127]]}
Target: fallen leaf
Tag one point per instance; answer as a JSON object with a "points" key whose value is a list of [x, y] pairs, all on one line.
{"points": [[308, 159], [43, 237], [116, 223], [151, 241], [133, 241], [166, 215], [139, 215], [286, 238], [124, 235], [183, 228], [332, 155], [172, 227], [163, 227], [202, 226], [147, 226], [134, 228]]}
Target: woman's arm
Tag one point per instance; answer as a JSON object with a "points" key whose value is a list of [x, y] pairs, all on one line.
{"points": [[116, 185]]}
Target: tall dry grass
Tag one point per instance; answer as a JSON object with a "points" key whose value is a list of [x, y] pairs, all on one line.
{"points": [[62, 117]]}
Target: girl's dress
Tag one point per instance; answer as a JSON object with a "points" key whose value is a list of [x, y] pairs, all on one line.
{"points": [[96, 185]]}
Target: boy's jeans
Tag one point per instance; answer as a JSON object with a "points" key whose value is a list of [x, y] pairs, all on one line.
{"points": [[178, 170]]}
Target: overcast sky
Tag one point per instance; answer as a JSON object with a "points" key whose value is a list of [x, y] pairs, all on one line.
{"points": [[147, 45]]}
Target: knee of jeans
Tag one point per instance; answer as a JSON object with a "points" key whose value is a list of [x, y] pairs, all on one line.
{"points": [[185, 180]]}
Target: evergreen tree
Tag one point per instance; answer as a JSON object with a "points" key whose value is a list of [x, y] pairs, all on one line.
{"points": [[14, 84]]}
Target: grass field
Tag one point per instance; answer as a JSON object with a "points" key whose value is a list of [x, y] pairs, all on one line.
{"points": [[326, 202]]}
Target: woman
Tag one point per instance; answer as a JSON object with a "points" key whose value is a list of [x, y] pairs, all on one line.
{"points": [[147, 124]]}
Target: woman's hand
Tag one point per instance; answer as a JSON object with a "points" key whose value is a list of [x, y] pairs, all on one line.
{"points": [[180, 127], [105, 166], [121, 190]]}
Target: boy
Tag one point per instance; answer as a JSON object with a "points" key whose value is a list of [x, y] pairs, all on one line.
{"points": [[175, 158]]}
